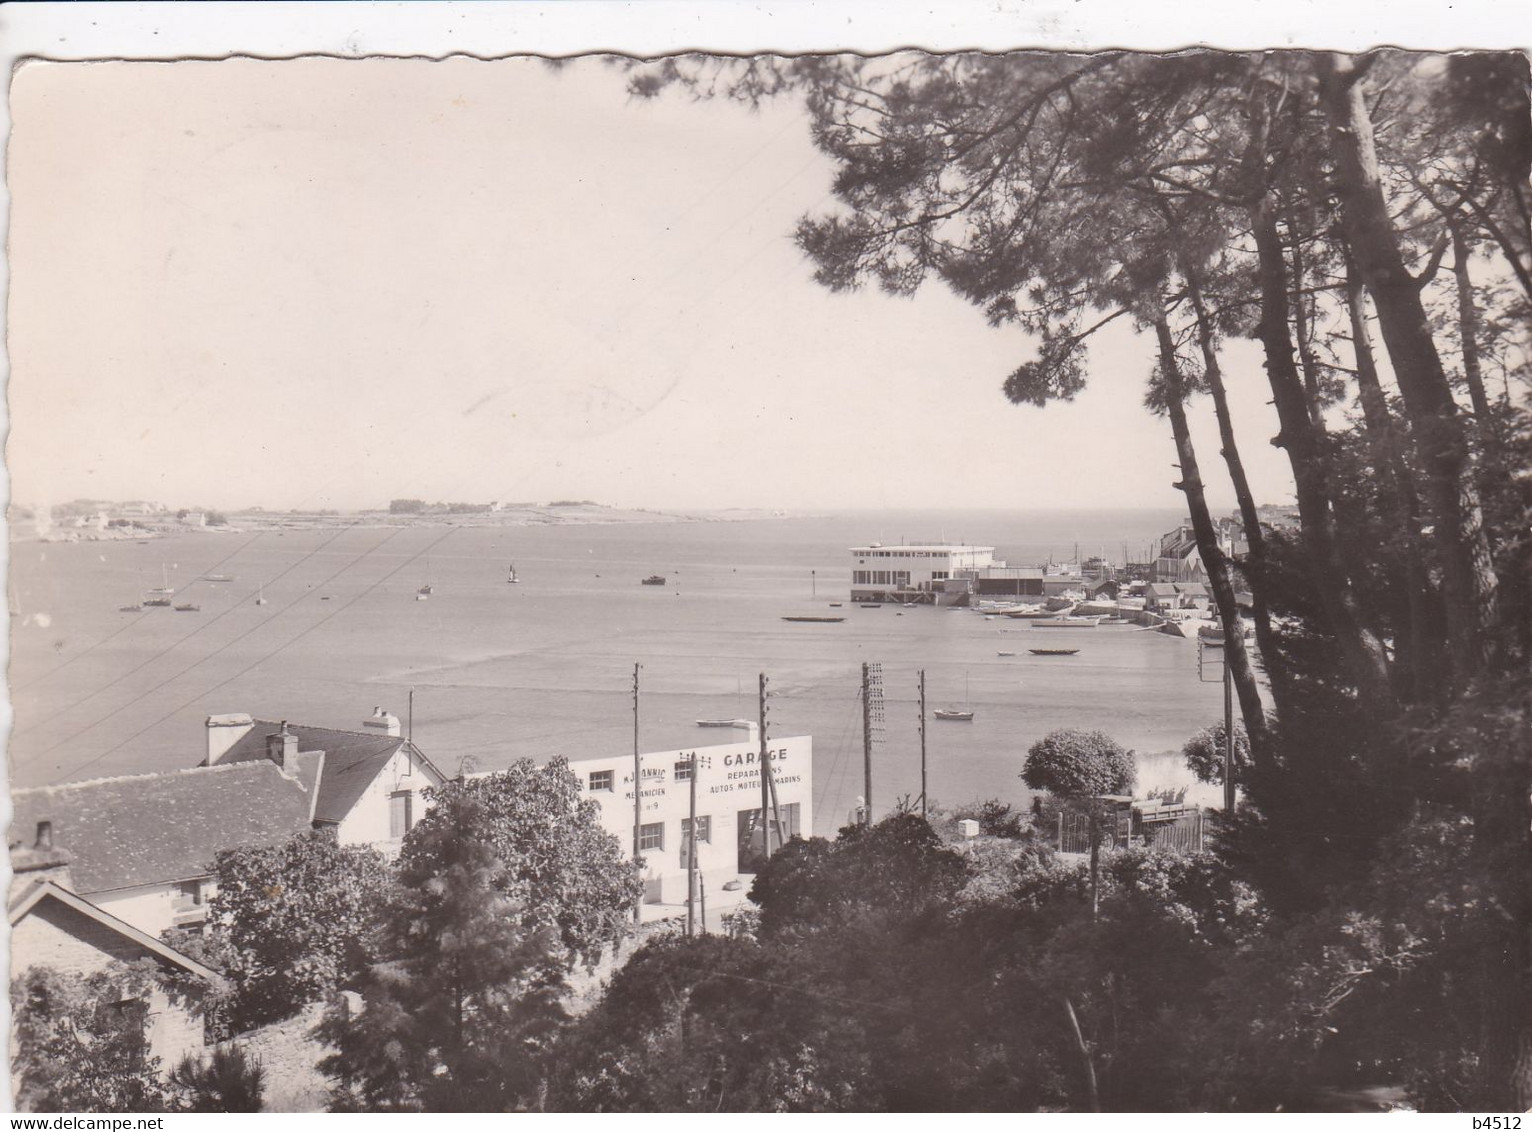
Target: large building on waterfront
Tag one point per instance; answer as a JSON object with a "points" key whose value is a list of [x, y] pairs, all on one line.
{"points": [[919, 572], [730, 835]]}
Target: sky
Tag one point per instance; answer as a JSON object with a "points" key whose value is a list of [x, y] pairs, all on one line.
{"points": [[334, 282]]}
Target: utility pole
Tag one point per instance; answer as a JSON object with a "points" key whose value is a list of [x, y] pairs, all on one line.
{"points": [[866, 748], [765, 778], [1228, 735], [638, 817], [691, 856], [922, 742]]}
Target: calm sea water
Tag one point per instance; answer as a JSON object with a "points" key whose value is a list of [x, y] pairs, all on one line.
{"points": [[545, 666]]}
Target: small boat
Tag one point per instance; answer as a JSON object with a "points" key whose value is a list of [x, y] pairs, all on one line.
{"points": [[1005, 654], [1053, 652], [164, 590], [156, 601], [130, 608], [835, 605], [217, 578], [956, 715], [260, 594], [817, 620], [423, 593], [740, 723], [653, 580], [869, 605], [513, 578], [1067, 623], [188, 608]]}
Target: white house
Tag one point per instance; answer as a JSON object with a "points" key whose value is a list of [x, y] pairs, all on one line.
{"points": [[728, 804], [370, 781], [141, 847]]}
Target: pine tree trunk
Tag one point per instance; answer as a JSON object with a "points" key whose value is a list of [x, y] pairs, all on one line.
{"points": [[1304, 331], [1419, 644], [1255, 538], [1468, 331], [1365, 657], [1468, 579], [1235, 654]]}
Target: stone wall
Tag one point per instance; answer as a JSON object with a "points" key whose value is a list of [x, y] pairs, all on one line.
{"points": [[290, 1053]]}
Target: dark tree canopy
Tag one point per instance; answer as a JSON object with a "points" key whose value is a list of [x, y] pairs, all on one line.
{"points": [[560, 867], [291, 922], [457, 1015], [1079, 764]]}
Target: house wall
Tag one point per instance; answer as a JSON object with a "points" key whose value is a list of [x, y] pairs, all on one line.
{"points": [[54, 935], [728, 782], [367, 823], [151, 908]]}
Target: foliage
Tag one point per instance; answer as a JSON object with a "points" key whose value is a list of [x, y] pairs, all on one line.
{"points": [[406, 506], [81, 1041], [711, 1024], [561, 868], [1295, 198], [1079, 764], [291, 922], [995, 818], [230, 1079], [459, 1015], [1205, 753], [897, 868]]}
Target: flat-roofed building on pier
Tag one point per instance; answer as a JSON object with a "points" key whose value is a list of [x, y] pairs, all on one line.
{"points": [[918, 572]]}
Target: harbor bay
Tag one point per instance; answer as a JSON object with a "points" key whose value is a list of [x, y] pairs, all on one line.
{"points": [[544, 666]]}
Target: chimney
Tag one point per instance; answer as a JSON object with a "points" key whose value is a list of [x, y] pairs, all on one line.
{"points": [[42, 860], [223, 731], [384, 721], [282, 749]]}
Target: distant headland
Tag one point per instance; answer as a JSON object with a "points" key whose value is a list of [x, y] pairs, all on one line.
{"points": [[99, 520]]}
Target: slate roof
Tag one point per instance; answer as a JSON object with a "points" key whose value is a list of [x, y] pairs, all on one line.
{"points": [[352, 760], [159, 828]]}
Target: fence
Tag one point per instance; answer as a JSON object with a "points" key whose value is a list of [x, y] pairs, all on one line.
{"points": [[1181, 834]]}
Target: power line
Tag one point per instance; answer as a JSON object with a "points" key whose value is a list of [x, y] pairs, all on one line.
{"points": [[262, 660], [112, 636], [231, 642], [203, 627]]}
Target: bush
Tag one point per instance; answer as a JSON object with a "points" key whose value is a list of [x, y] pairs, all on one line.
{"points": [[230, 1080]]}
